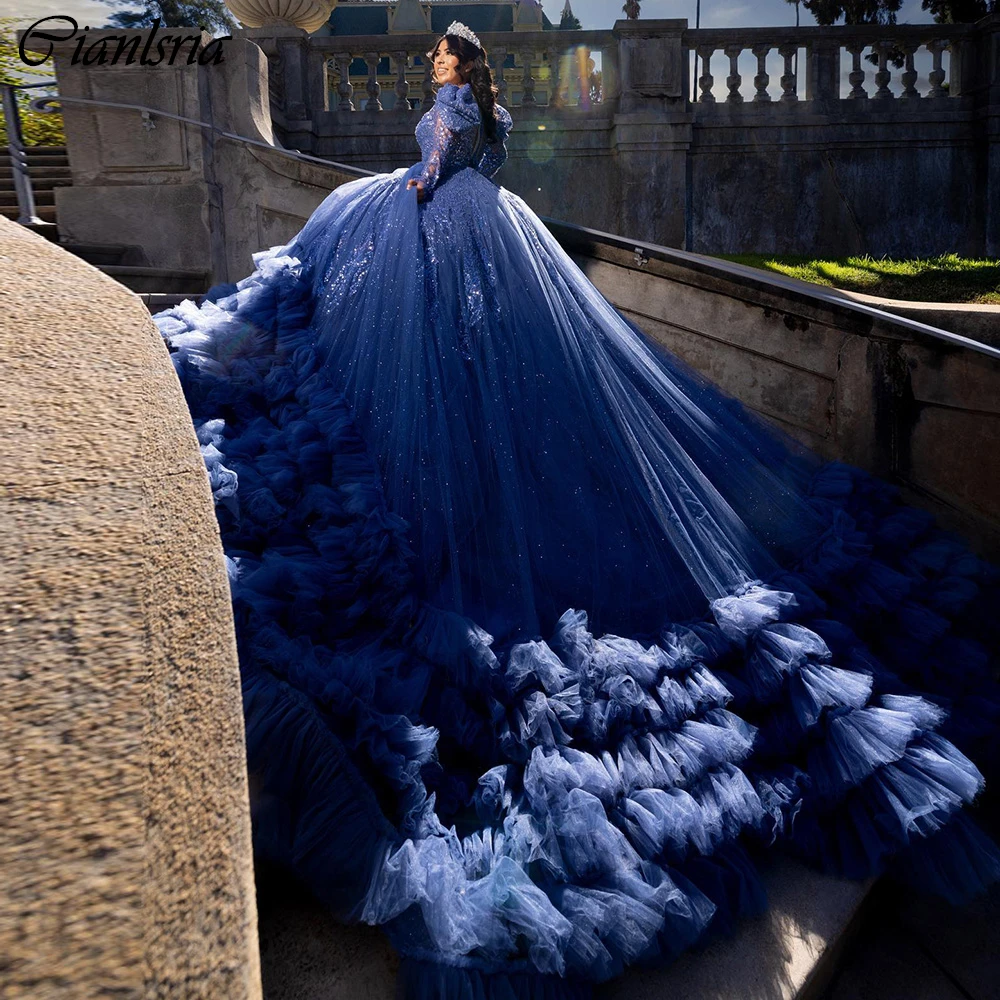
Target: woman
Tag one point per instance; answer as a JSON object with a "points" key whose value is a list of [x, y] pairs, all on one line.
{"points": [[542, 637]]}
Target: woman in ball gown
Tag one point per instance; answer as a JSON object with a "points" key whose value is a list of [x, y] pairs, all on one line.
{"points": [[543, 639]]}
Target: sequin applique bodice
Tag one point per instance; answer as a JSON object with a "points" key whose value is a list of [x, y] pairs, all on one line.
{"points": [[451, 137]]}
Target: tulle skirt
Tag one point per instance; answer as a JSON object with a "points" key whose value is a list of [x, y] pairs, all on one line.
{"points": [[542, 637]]}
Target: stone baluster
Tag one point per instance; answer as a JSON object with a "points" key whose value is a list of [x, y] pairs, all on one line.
{"points": [[527, 80], [402, 87], [499, 56], [909, 75], [882, 77], [558, 66], [734, 79], [789, 77], [583, 74], [761, 80], [822, 75], [610, 76], [318, 89], [345, 91], [857, 75], [936, 75], [373, 87], [427, 87], [706, 79]]}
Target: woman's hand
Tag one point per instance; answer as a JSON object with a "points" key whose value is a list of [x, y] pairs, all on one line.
{"points": [[419, 185]]}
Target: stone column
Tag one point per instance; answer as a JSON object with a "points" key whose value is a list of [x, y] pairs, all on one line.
{"points": [[652, 130], [823, 71], [983, 81], [136, 180], [293, 75]]}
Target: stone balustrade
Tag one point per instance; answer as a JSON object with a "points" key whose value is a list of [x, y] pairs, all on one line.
{"points": [[580, 69], [373, 73], [871, 54], [804, 146]]}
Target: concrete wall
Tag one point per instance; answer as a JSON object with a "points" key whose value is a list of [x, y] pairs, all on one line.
{"points": [[849, 382], [837, 183], [125, 838]]}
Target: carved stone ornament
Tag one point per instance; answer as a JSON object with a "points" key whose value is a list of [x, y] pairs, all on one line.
{"points": [[306, 14]]}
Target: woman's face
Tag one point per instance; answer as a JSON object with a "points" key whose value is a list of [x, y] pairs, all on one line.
{"points": [[447, 65]]}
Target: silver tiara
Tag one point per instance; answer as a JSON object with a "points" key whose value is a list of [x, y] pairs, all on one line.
{"points": [[460, 30]]}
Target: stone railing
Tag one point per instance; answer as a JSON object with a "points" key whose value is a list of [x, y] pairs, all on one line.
{"points": [[557, 70], [309, 76], [817, 169], [870, 55]]}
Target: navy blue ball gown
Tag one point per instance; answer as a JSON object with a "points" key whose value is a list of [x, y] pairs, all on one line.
{"points": [[543, 639]]}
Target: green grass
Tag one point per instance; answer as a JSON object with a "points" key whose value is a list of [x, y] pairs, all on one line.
{"points": [[948, 278]]}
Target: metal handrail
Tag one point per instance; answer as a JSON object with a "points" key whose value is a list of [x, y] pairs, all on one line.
{"points": [[44, 104], [715, 267], [27, 215]]}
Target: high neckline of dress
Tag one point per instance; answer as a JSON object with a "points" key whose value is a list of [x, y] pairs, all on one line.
{"points": [[448, 88]]}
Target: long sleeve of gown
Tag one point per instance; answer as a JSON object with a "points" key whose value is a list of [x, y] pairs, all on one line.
{"points": [[444, 140], [447, 135], [494, 154]]}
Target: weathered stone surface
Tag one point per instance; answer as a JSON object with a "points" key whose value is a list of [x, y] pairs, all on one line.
{"points": [[967, 319], [125, 833], [861, 387], [169, 223]]}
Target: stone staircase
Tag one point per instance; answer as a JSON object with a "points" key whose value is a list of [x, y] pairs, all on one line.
{"points": [[158, 287], [48, 167]]}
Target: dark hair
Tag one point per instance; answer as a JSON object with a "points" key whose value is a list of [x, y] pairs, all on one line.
{"points": [[480, 78]]}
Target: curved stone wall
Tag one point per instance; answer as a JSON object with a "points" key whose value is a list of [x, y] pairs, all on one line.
{"points": [[124, 830]]}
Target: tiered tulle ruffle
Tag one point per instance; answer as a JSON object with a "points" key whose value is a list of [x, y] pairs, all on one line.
{"points": [[529, 818]]}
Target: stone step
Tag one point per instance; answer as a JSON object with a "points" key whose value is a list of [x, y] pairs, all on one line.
{"points": [[156, 301], [45, 212], [34, 160], [37, 172], [99, 254], [37, 183], [789, 953], [161, 280], [42, 197], [42, 151]]}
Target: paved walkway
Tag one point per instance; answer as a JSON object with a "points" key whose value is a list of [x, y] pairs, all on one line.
{"points": [[912, 947]]}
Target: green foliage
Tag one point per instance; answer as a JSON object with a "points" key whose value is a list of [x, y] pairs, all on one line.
{"points": [[209, 14], [853, 11], [948, 278], [37, 128], [569, 22], [959, 11]]}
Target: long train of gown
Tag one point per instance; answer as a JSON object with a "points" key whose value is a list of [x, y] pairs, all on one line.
{"points": [[542, 637]]}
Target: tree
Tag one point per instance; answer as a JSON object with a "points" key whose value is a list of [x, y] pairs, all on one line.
{"points": [[859, 12], [38, 128], [631, 9], [209, 14], [853, 11], [798, 4], [960, 11], [569, 21]]}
